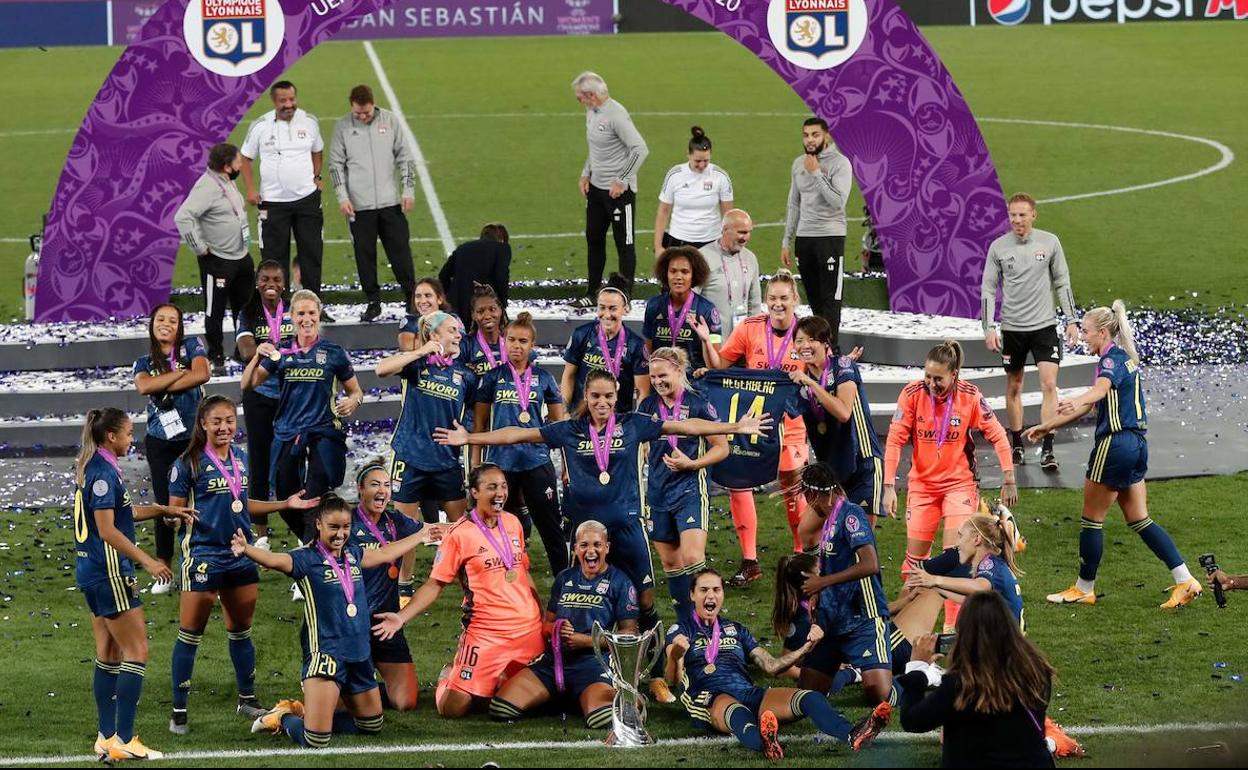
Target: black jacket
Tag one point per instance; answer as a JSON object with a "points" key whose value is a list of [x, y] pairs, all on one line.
{"points": [[482, 261]]}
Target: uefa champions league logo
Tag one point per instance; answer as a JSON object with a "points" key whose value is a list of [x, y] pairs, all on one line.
{"points": [[577, 6], [817, 34], [234, 38]]}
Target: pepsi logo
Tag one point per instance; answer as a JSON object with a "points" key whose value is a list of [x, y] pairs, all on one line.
{"points": [[1009, 12]]}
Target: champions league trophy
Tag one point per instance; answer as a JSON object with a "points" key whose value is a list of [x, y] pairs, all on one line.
{"points": [[628, 657]]}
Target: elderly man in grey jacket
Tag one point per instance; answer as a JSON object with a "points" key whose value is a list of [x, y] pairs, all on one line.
{"points": [[368, 150]]}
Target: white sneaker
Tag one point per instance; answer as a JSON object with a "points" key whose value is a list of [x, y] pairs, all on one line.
{"points": [[161, 587], [295, 594], [262, 543]]}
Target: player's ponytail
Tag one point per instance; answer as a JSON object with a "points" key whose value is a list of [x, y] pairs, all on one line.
{"points": [[997, 530], [791, 574], [95, 429], [698, 140], [1125, 334], [948, 354]]}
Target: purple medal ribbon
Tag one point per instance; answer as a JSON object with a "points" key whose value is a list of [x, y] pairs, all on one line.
{"points": [[233, 481], [173, 359], [556, 648], [509, 558], [109, 458], [944, 424], [602, 454], [522, 384], [376, 533], [613, 362], [775, 361], [671, 416], [675, 320], [712, 649], [830, 522], [815, 406], [294, 345], [275, 323], [485, 349], [343, 572]]}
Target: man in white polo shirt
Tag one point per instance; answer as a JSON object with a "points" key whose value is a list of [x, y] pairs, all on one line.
{"points": [[287, 140]]}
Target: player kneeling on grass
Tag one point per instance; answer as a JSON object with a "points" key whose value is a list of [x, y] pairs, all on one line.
{"points": [[588, 592], [337, 661], [484, 553], [710, 655]]}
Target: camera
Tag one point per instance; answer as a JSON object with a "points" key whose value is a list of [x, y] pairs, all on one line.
{"points": [[944, 643], [1210, 563]]}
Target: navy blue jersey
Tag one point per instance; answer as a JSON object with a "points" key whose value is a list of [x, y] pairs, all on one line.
{"points": [[383, 590], [206, 490], [433, 397], [845, 446], [799, 627], [327, 628], [731, 664], [620, 499], [410, 323], [585, 353], [657, 327], [308, 381], [498, 389], [844, 605], [666, 489], [608, 598], [474, 358], [257, 327], [1123, 408], [736, 393], [947, 564], [997, 572], [186, 402], [98, 561]]}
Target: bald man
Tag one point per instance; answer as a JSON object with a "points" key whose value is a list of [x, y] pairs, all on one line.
{"points": [[733, 283]]}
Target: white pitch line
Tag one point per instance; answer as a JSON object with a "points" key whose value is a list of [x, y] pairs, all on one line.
{"points": [[422, 168], [442, 748]]}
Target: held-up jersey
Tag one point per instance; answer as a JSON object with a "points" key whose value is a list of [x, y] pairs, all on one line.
{"points": [[433, 397], [736, 393], [327, 628], [98, 561], [731, 664], [492, 606], [620, 500], [606, 599], [208, 540], [186, 402], [847, 446], [383, 590], [258, 328], [658, 327], [1123, 408], [498, 389], [666, 490], [307, 382], [842, 606], [586, 354], [748, 343]]}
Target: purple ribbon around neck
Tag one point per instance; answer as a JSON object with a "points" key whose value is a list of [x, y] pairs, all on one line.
{"points": [[232, 480], [523, 381], [671, 416], [815, 406], [342, 571], [944, 424], [675, 320], [275, 323], [485, 349], [375, 532], [830, 522], [506, 554], [109, 458], [775, 361], [712, 647], [602, 454], [556, 648], [613, 362], [173, 358]]}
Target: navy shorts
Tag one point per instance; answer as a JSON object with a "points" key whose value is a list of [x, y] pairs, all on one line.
{"points": [[698, 703], [578, 673], [110, 598], [392, 650], [630, 551], [866, 487], [666, 525], [353, 677], [411, 484], [1119, 459], [864, 645], [208, 575]]}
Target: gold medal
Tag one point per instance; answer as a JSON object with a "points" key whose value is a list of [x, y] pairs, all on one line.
{"points": [[823, 428], [511, 576], [525, 418], [237, 506], [709, 668], [351, 610], [604, 478], [393, 572], [275, 356]]}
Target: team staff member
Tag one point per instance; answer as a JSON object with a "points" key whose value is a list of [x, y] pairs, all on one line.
{"points": [[679, 316], [212, 477], [607, 345], [104, 521], [608, 181], [484, 553], [288, 143], [368, 146], [1119, 459], [814, 222], [212, 222], [172, 377], [265, 318], [483, 262], [1031, 266], [588, 593], [733, 281], [693, 199]]}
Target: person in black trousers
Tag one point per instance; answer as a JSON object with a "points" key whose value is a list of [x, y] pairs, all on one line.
{"points": [[992, 701], [486, 262]]}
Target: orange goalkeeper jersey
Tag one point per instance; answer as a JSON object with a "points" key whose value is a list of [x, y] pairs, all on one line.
{"points": [[944, 454]]}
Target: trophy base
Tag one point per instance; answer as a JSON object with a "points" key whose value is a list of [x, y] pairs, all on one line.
{"points": [[629, 739]]}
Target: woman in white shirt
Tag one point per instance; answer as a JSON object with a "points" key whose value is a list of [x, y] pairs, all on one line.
{"points": [[694, 197]]}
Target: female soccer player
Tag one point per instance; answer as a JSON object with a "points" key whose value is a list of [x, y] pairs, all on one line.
{"points": [[607, 344], [428, 297], [483, 348], [693, 199], [107, 554], [838, 416], [766, 342], [334, 636], [710, 656], [374, 526], [484, 553], [265, 318], [937, 414], [171, 376], [309, 445], [679, 317], [677, 496], [984, 545], [213, 477], [512, 395], [1119, 459], [589, 592]]}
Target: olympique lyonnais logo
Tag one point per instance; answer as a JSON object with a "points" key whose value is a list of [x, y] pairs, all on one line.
{"points": [[234, 37], [817, 34]]}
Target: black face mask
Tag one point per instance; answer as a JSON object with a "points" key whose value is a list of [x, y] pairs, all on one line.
{"points": [[234, 175]]}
